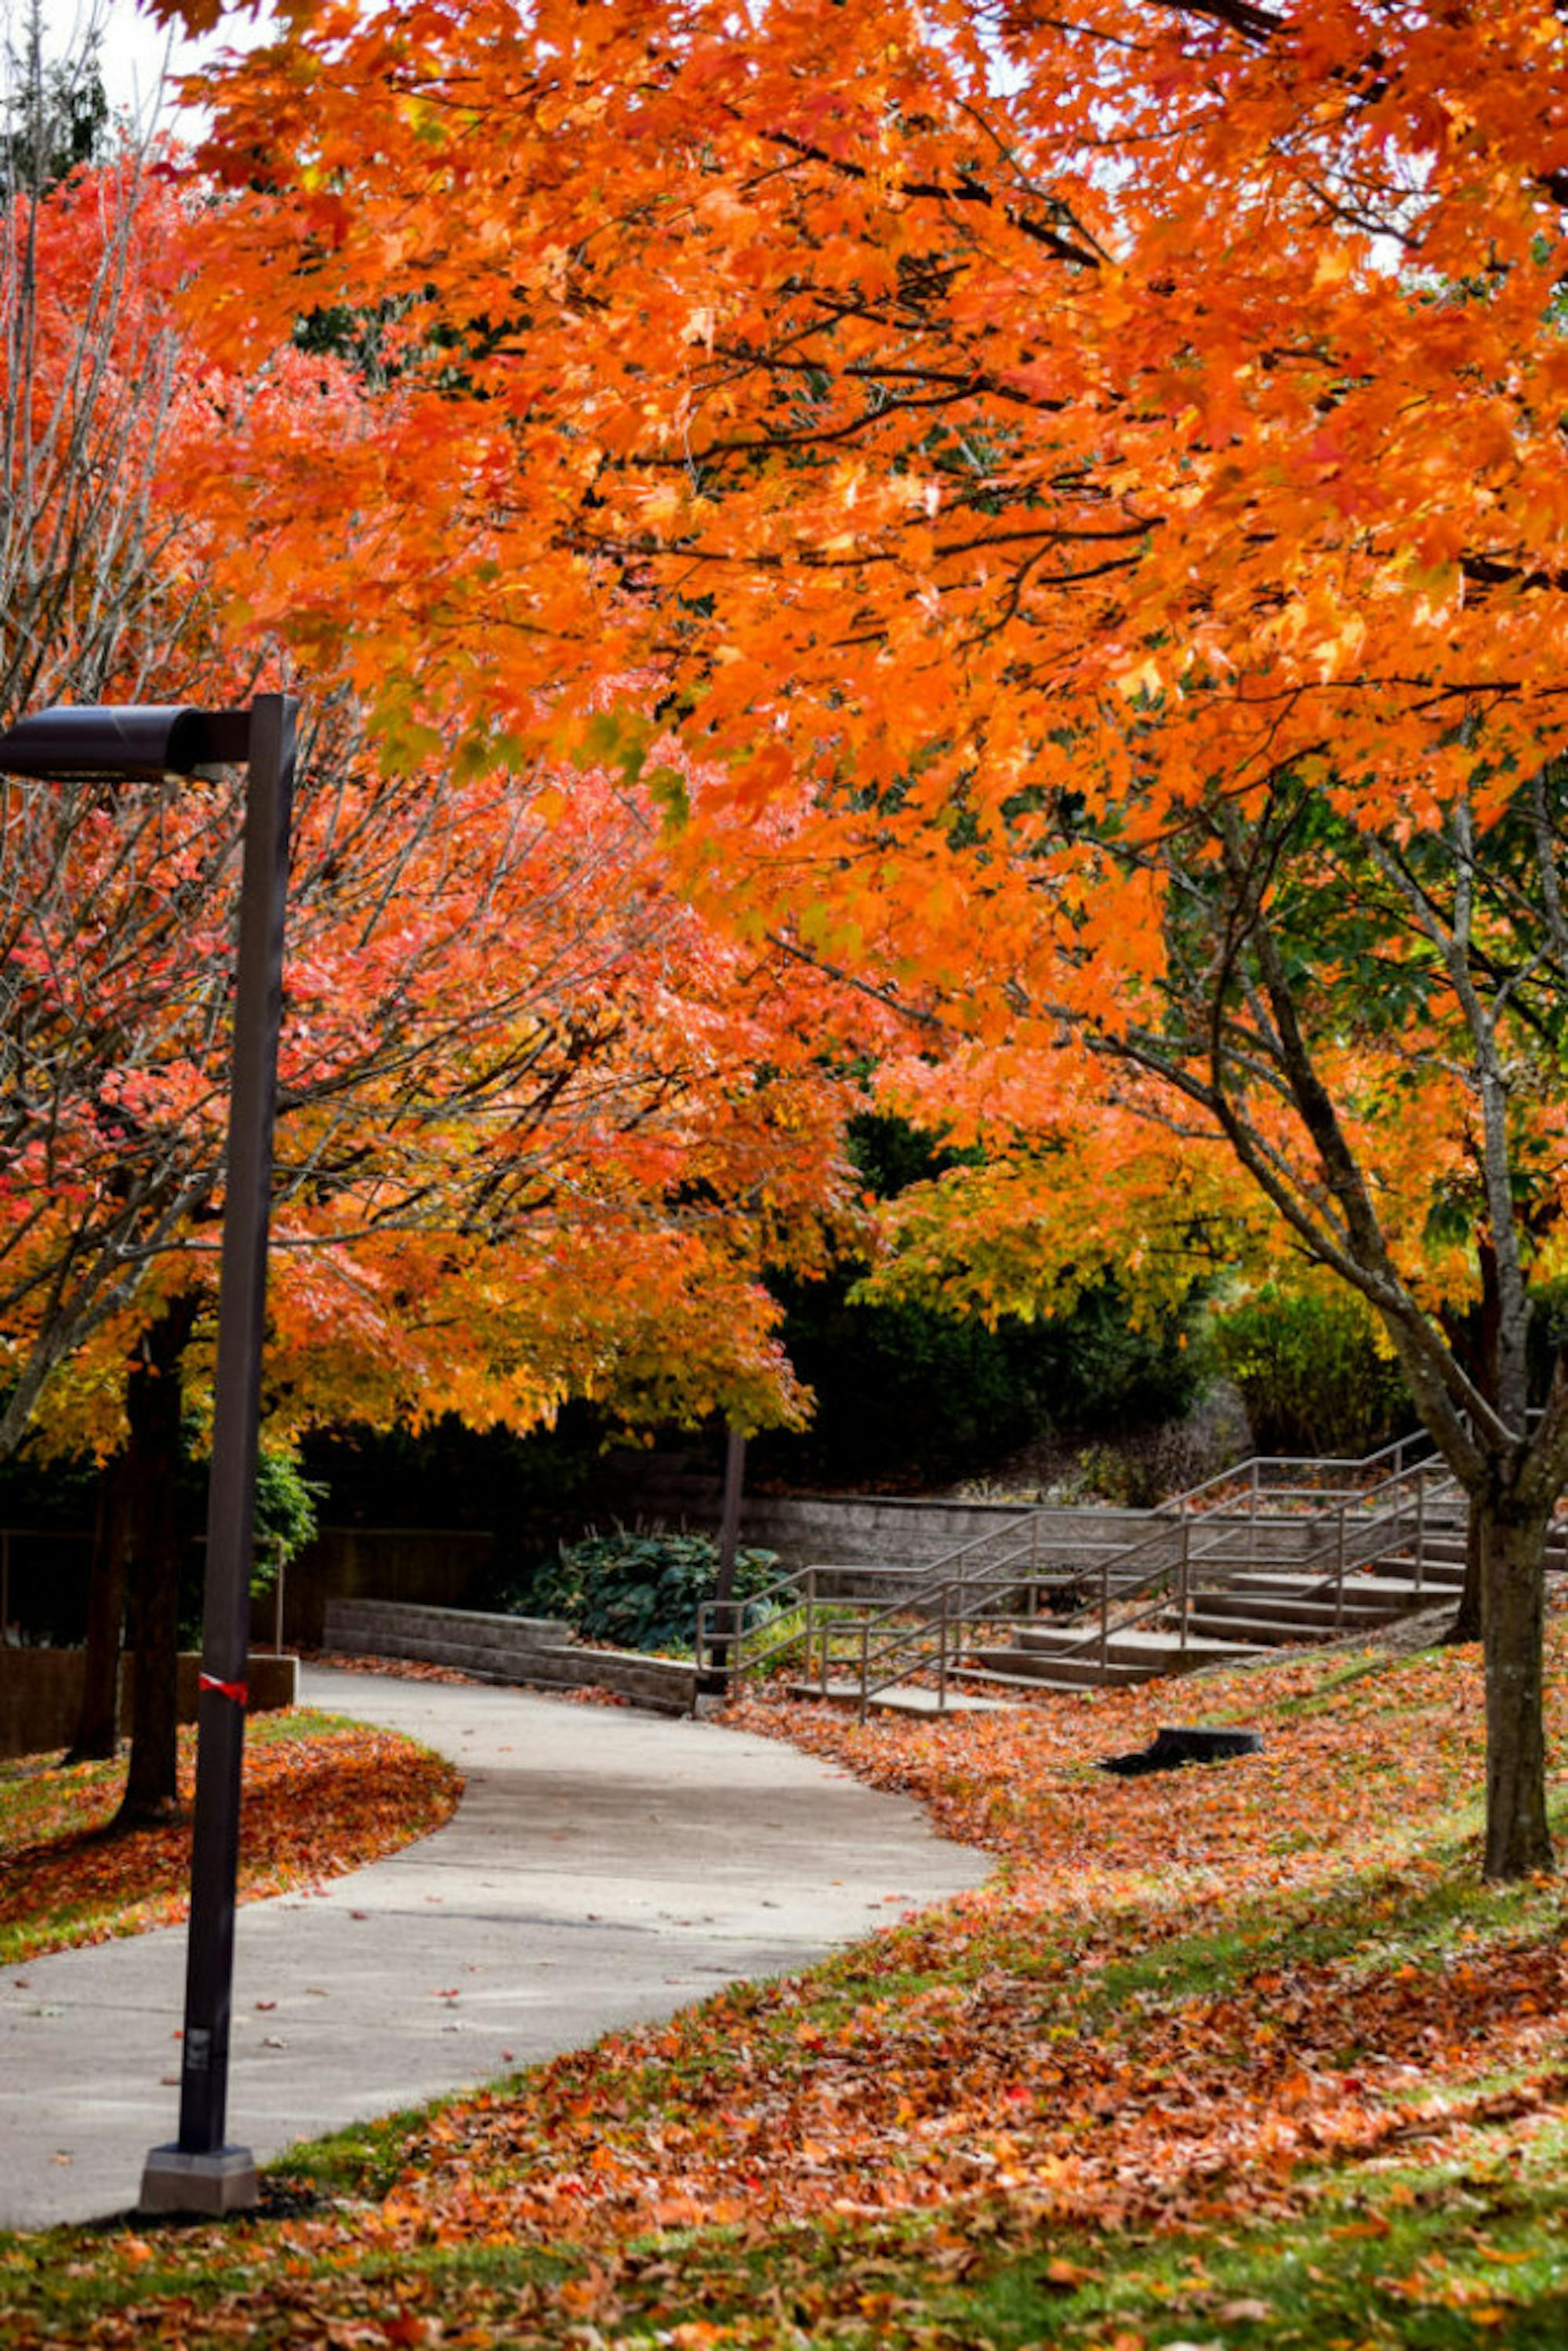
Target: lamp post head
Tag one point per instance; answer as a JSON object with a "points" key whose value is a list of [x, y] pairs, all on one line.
{"points": [[140, 741]]}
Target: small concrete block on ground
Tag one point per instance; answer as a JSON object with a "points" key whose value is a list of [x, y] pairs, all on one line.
{"points": [[173, 2182]]}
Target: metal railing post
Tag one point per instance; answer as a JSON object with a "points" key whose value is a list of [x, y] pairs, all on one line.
{"points": [[1420, 1526], [277, 1607], [942, 1656], [1339, 1571], [810, 1621], [1184, 1583], [865, 1666]]}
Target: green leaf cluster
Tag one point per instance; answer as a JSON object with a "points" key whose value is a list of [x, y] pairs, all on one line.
{"points": [[641, 1591], [1311, 1372], [285, 1518]]}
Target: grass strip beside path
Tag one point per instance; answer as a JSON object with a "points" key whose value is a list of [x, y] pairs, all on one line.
{"points": [[1229, 2057], [322, 1795]]}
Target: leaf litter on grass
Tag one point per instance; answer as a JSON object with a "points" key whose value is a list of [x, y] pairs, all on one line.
{"points": [[320, 1797], [1212, 2009]]}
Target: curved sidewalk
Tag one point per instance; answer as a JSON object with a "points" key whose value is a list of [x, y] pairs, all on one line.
{"points": [[603, 1869]]}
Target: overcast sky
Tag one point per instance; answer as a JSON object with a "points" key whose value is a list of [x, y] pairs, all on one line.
{"points": [[135, 50]]}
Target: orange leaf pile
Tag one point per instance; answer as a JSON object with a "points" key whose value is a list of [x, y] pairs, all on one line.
{"points": [[1026, 2040], [317, 1804], [1187, 2009]]}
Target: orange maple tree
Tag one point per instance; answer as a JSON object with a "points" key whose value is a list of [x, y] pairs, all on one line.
{"points": [[538, 1127], [1064, 515]]}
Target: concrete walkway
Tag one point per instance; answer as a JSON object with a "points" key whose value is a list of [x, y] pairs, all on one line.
{"points": [[603, 1868]]}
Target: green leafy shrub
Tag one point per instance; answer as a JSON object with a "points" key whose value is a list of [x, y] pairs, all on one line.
{"points": [[640, 1590], [285, 1519], [1310, 1372]]}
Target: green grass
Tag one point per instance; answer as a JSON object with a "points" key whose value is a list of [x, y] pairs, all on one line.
{"points": [[66, 1879], [1451, 2235], [1384, 1919], [1441, 2258]]}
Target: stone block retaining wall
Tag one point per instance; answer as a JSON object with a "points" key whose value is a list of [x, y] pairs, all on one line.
{"points": [[891, 1531], [536, 1650], [895, 1531]]}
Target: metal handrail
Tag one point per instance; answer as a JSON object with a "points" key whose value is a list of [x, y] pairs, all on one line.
{"points": [[710, 1613], [1339, 1507], [1442, 1488], [1245, 1474], [1239, 1491], [1391, 1517], [907, 1638], [828, 1622]]}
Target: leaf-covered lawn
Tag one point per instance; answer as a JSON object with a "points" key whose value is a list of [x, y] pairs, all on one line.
{"points": [[1236, 2056], [322, 1796]]}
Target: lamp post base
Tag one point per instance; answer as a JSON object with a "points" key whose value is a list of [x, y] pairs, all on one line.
{"points": [[211, 2185]]}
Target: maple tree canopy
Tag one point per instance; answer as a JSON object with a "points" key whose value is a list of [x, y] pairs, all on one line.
{"points": [[531, 1107], [951, 455], [899, 389]]}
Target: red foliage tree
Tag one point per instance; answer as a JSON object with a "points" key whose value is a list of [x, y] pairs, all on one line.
{"points": [[1069, 515]]}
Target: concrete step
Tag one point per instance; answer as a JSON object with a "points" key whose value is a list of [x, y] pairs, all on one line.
{"points": [[1297, 1618], [986, 1677], [1026, 1665], [1400, 1579], [1074, 1658], [1142, 1646], [1366, 1608], [1073, 1673], [1276, 1633], [1267, 1632], [900, 1697], [1400, 1564], [1390, 1582], [1450, 1545]]}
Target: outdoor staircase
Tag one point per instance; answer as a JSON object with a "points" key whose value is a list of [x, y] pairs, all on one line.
{"points": [[1036, 1659], [1251, 1609], [1276, 1551]]}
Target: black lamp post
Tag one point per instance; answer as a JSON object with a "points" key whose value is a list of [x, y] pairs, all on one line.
{"points": [[199, 2173]]}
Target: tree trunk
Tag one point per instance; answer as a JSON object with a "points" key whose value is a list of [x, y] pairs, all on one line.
{"points": [[98, 1724], [152, 1400], [1513, 1590]]}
